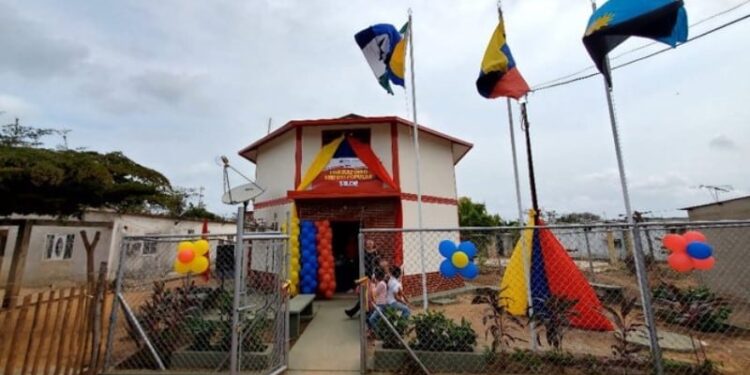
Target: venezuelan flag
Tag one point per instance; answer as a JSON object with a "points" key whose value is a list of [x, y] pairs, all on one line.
{"points": [[617, 20], [551, 272], [499, 75]]}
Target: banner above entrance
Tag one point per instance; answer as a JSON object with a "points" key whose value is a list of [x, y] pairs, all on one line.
{"points": [[346, 166]]}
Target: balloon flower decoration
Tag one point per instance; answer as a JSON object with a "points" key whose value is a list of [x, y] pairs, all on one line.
{"points": [[689, 251], [191, 257], [459, 260]]}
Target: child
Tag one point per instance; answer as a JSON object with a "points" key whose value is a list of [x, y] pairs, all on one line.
{"points": [[395, 296], [379, 296]]}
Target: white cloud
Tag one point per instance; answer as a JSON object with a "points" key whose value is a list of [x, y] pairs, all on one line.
{"points": [[722, 142]]}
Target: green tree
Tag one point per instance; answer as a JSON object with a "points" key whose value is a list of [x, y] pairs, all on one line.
{"points": [[15, 135], [578, 218], [66, 182], [471, 214]]}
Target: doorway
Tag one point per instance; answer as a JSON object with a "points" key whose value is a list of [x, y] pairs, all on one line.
{"points": [[345, 254]]}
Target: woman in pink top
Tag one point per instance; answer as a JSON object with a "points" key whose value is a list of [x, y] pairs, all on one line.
{"points": [[379, 296]]}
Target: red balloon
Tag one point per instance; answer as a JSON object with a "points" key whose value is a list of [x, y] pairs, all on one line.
{"points": [[675, 243], [680, 262], [329, 294], [704, 264], [694, 236], [327, 278], [186, 256]]}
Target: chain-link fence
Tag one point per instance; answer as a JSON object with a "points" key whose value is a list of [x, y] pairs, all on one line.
{"points": [[165, 320], [554, 298]]}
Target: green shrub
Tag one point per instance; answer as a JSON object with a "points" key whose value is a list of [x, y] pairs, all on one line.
{"points": [[435, 332], [401, 324]]}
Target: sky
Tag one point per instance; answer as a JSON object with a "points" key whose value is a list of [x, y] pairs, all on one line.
{"points": [[176, 84]]}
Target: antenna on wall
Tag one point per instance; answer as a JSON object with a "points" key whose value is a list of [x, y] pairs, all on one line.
{"points": [[714, 190], [239, 194]]}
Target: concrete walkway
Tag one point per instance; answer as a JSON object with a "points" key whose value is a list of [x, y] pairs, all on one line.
{"points": [[329, 344]]}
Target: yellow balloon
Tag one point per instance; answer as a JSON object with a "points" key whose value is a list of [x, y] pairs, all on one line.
{"points": [[199, 264], [201, 247], [460, 259], [185, 245], [294, 277], [180, 267], [283, 228]]}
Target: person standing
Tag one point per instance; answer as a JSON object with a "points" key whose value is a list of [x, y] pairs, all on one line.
{"points": [[372, 259]]}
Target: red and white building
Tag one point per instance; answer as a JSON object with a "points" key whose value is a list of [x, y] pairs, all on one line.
{"points": [[380, 191]]}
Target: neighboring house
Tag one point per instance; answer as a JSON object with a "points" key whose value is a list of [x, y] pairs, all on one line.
{"points": [[369, 181], [56, 253], [731, 245]]}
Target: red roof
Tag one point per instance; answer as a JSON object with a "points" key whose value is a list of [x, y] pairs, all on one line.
{"points": [[251, 152]]}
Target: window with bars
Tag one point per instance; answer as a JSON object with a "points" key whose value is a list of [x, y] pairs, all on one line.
{"points": [[59, 246]]}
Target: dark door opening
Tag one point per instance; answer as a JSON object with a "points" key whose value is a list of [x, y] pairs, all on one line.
{"points": [[345, 254]]}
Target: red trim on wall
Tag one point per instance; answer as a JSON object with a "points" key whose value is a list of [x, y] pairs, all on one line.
{"points": [[395, 168], [271, 203], [430, 199], [298, 158]]}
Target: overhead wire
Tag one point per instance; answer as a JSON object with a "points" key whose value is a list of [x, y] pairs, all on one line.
{"points": [[581, 78], [554, 82]]}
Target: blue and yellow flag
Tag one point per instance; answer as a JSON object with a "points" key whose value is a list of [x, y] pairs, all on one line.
{"points": [[384, 48], [617, 20], [499, 75]]}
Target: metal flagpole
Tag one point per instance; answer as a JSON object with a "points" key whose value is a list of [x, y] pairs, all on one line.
{"points": [[418, 162], [640, 267], [526, 260]]}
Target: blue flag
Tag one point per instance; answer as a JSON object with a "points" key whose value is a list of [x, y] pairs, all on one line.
{"points": [[617, 20], [379, 44]]}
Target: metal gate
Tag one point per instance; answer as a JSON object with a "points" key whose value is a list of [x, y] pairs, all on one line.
{"points": [[169, 322]]}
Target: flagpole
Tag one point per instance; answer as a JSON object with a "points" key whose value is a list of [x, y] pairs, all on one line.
{"points": [[640, 267], [515, 163], [418, 161]]}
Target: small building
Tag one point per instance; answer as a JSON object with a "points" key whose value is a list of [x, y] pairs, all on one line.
{"points": [[366, 180], [56, 254], [730, 243]]}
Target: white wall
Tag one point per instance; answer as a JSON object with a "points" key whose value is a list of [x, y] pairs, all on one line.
{"points": [[438, 174], [275, 214], [434, 216], [274, 169]]}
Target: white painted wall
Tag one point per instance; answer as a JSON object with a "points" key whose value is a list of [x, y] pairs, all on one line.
{"points": [[274, 169], [438, 174], [434, 216]]}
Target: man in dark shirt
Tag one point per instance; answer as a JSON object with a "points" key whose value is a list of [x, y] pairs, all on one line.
{"points": [[372, 258]]}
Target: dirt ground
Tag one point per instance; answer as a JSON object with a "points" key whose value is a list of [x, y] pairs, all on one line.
{"points": [[731, 350]]}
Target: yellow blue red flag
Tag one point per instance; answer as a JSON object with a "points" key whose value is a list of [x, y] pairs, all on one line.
{"points": [[499, 75]]}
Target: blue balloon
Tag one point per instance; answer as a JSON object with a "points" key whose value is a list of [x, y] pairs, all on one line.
{"points": [[447, 248], [447, 269], [699, 250], [468, 248], [469, 272]]}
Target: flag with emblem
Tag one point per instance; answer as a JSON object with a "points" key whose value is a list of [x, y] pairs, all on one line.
{"points": [[384, 48]]}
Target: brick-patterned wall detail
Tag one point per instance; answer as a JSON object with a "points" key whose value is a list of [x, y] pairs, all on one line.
{"points": [[430, 199], [435, 283]]}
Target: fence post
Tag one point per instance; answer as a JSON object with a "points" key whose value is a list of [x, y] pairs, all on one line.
{"points": [[588, 251], [115, 305], [238, 266], [362, 306], [648, 310]]}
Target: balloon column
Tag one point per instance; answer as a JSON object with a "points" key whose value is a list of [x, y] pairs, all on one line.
{"points": [[191, 257], [458, 260], [326, 274], [309, 259], [294, 254], [689, 251]]}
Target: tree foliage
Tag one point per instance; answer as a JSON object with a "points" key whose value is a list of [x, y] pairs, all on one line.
{"points": [[579, 218], [15, 135], [65, 182], [471, 214]]}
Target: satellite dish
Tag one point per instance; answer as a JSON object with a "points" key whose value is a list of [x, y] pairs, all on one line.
{"points": [[241, 194]]}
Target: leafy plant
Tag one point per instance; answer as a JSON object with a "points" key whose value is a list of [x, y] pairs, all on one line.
{"points": [[627, 320], [554, 317], [435, 332], [497, 320], [695, 308], [400, 324]]}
